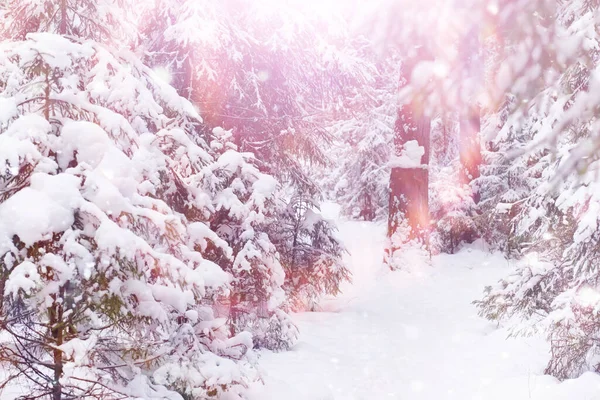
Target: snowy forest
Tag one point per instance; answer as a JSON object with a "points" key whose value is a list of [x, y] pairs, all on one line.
{"points": [[299, 199]]}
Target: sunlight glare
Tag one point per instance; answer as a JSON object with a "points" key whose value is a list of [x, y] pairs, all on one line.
{"points": [[322, 8], [492, 8]]}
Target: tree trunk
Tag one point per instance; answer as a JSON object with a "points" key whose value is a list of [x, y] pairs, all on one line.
{"points": [[62, 26], [409, 187], [470, 115], [470, 148], [4, 273], [55, 313]]}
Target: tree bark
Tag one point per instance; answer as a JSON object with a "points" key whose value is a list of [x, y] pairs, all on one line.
{"points": [[470, 115], [62, 26], [409, 187], [4, 273], [55, 313], [470, 148]]}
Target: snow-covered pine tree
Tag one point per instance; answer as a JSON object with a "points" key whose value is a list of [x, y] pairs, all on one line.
{"points": [[555, 221], [106, 291], [436, 86], [228, 58], [310, 253], [265, 74], [452, 209], [246, 204], [470, 108], [364, 140], [506, 183], [457, 224], [100, 20]]}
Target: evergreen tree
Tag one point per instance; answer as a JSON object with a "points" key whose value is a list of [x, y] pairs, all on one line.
{"points": [[265, 74], [452, 207], [552, 206], [434, 85], [364, 140], [310, 253], [106, 289], [259, 72], [470, 109], [101, 20], [246, 204], [408, 220]]}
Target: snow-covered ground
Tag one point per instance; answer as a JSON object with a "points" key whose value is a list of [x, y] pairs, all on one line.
{"points": [[410, 336], [399, 335]]}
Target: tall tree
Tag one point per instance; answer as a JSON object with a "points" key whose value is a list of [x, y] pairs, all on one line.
{"points": [[438, 85], [107, 292], [268, 75], [364, 134], [246, 207], [101, 20], [408, 221], [470, 113], [547, 146]]}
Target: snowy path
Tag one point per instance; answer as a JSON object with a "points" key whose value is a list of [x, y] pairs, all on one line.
{"points": [[402, 336]]}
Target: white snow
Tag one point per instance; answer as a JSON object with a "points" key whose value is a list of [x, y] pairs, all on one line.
{"points": [[411, 156], [8, 110], [32, 215], [401, 335], [76, 350], [23, 277]]}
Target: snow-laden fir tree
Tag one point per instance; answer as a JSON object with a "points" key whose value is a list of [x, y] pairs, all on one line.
{"points": [[264, 73], [364, 139], [100, 20], [310, 253], [246, 204], [106, 291], [252, 69], [452, 207], [432, 38], [553, 206]]}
